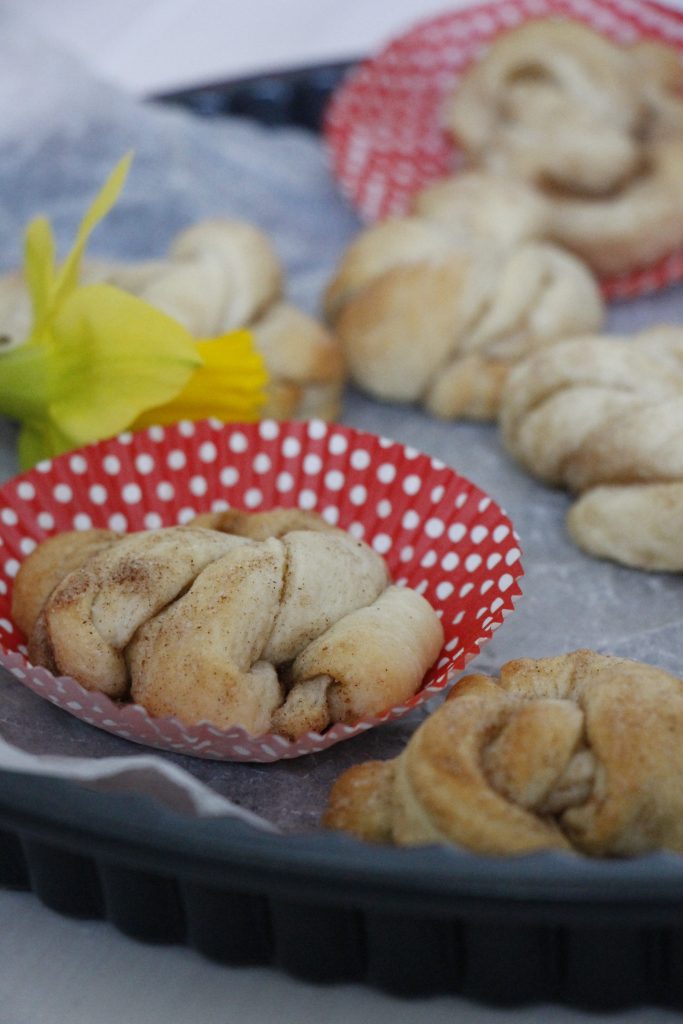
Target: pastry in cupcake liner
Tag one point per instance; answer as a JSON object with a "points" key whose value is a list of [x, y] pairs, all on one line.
{"points": [[384, 126], [438, 532]]}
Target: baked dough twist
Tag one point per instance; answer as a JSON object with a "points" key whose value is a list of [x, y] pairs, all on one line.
{"points": [[431, 313], [634, 226], [268, 627], [595, 129], [557, 104], [604, 418], [220, 275], [577, 752], [480, 206]]}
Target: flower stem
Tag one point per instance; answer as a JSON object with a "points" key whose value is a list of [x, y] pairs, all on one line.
{"points": [[23, 380]]}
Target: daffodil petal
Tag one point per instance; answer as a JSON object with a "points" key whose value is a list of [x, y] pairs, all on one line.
{"points": [[230, 385], [114, 356], [100, 360], [67, 278], [39, 260]]}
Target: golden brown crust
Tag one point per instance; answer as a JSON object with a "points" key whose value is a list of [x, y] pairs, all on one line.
{"points": [[401, 327], [578, 751], [305, 709], [261, 525], [274, 621], [200, 658], [442, 791], [47, 565], [360, 802], [370, 644], [426, 312], [93, 613]]}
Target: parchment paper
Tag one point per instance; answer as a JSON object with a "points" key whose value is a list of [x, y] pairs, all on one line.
{"points": [[59, 137]]}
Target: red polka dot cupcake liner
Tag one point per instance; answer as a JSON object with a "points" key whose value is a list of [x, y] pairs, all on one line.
{"points": [[438, 532], [383, 127]]}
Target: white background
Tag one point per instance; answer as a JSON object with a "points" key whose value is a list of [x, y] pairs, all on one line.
{"points": [[152, 45], [53, 970]]}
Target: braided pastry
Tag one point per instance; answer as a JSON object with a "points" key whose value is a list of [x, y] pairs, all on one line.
{"points": [[604, 418], [595, 128], [633, 227], [423, 316], [577, 752], [536, 103], [279, 624], [221, 275], [479, 206]]}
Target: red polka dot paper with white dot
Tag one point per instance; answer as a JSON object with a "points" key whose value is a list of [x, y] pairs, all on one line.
{"points": [[383, 126], [438, 532]]}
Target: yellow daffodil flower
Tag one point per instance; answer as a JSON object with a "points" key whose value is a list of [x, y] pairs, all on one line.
{"points": [[99, 360], [230, 369]]}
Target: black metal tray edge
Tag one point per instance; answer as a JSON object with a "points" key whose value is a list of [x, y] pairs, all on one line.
{"points": [[433, 880], [294, 97], [326, 908]]}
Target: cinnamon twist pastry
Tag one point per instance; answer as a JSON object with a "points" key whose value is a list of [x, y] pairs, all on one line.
{"points": [[604, 418], [287, 633], [557, 104], [220, 275], [595, 129], [429, 313], [577, 752], [479, 206], [632, 227]]}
